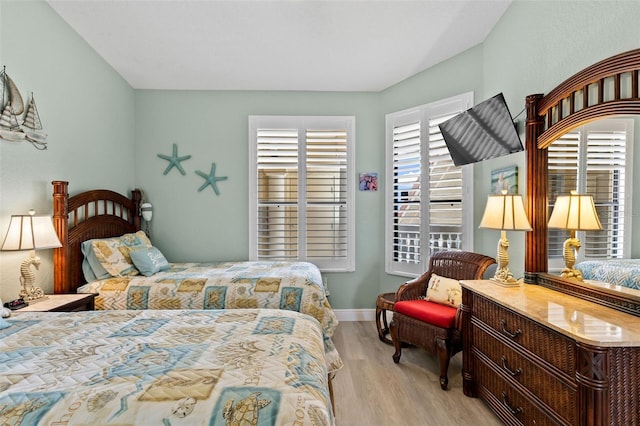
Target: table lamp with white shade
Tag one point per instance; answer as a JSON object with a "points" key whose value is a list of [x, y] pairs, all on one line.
{"points": [[30, 232], [504, 212], [574, 212]]}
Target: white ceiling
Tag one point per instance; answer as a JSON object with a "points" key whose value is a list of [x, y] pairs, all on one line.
{"points": [[357, 45]]}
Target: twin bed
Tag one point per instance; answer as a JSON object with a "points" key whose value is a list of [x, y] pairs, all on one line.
{"points": [[179, 367], [213, 343]]}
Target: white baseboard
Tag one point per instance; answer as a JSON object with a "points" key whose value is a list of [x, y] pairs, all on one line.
{"points": [[355, 314]]}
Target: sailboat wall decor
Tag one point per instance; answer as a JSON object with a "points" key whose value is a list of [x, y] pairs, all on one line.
{"points": [[13, 127], [32, 126]]}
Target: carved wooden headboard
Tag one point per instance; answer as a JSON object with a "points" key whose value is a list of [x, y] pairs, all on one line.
{"points": [[98, 213]]}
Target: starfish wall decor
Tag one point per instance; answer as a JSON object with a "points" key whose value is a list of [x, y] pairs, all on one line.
{"points": [[211, 179], [174, 160]]}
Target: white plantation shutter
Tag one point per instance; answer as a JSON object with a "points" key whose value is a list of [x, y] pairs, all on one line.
{"points": [[277, 162], [445, 193], [424, 188], [302, 194], [326, 212], [594, 159], [407, 190], [606, 163], [562, 179]]}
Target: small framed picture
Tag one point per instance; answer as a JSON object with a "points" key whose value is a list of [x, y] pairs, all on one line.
{"points": [[368, 181], [505, 179]]}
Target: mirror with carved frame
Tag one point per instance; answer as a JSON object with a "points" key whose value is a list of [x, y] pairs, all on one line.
{"points": [[606, 89]]}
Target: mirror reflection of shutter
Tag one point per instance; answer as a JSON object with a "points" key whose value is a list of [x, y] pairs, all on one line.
{"points": [[591, 160], [445, 193], [606, 154], [562, 179], [277, 159], [407, 193], [326, 194]]}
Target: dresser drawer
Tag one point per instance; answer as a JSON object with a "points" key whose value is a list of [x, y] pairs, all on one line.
{"points": [[506, 401], [557, 392], [546, 343]]}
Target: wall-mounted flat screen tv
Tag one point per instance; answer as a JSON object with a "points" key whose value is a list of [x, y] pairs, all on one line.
{"points": [[481, 132]]}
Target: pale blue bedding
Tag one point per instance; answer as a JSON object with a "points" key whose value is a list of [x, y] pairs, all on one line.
{"points": [[622, 272]]}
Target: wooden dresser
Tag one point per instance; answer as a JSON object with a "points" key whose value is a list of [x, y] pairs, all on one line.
{"points": [[537, 356]]}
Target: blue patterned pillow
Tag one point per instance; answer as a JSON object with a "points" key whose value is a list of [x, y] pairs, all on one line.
{"points": [[149, 261]]}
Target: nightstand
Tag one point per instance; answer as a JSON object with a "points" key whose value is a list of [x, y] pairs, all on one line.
{"points": [[61, 303]]}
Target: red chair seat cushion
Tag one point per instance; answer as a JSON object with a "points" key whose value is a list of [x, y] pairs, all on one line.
{"points": [[429, 312]]}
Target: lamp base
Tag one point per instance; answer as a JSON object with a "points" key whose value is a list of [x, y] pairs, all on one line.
{"points": [[33, 294], [503, 276], [569, 254], [509, 282], [571, 274], [30, 292]]}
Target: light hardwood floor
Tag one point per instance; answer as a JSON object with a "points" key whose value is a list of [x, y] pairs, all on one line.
{"points": [[371, 390]]}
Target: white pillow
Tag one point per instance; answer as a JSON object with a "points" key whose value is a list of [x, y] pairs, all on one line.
{"points": [[445, 291]]}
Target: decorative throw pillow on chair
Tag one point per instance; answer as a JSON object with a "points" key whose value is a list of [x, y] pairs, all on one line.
{"points": [[445, 291]]}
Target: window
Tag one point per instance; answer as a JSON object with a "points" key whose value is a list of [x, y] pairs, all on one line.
{"points": [[594, 159], [429, 200], [302, 190]]}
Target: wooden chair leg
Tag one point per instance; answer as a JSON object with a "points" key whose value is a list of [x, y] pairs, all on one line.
{"points": [[393, 330], [379, 324], [330, 383], [444, 355]]}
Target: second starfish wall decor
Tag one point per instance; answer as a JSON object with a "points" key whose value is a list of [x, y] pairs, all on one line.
{"points": [[211, 179]]}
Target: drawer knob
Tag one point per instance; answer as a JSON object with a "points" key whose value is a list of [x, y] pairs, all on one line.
{"points": [[505, 402], [513, 373], [512, 334]]}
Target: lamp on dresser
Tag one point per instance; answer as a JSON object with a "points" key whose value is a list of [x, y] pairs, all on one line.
{"points": [[574, 212], [504, 212], [30, 232]]}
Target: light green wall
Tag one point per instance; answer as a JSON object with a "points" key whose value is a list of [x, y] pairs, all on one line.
{"points": [[87, 110], [95, 121], [213, 127]]}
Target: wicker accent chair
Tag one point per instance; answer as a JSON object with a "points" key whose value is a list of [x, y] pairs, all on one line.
{"points": [[442, 334]]}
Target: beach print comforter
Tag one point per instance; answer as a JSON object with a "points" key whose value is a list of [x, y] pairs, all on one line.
{"points": [[294, 286], [178, 367]]}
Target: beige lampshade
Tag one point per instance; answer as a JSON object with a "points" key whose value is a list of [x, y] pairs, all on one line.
{"points": [[30, 232], [575, 212], [505, 211]]}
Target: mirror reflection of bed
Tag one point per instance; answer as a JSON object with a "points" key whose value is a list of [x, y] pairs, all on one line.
{"points": [[597, 159], [554, 122]]}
